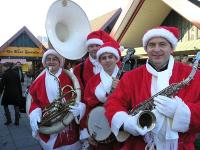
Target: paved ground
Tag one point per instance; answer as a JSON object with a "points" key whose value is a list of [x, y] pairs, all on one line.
{"points": [[16, 137]]}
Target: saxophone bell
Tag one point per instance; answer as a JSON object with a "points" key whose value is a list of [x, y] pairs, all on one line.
{"points": [[146, 118]]}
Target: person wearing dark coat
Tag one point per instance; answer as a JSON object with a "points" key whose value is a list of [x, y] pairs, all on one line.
{"points": [[10, 86], [18, 69]]}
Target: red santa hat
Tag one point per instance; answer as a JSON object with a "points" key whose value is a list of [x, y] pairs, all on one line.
{"points": [[52, 52], [98, 37], [110, 47], [169, 33]]}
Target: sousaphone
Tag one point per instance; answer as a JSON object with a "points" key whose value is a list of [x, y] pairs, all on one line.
{"points": [[67, 27]]}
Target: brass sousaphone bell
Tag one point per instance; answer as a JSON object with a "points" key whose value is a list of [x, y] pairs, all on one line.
{"points": [[67, 27]]}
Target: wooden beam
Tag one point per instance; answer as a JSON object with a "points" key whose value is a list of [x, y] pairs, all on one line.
{"points": [[186, 9]]}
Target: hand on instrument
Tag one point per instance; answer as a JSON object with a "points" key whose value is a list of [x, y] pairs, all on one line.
{"points": [[92, 141], [115, 83], [35, 118], [78, 110], [131, 126], [159, 120], [86, 139], [85, 145], [165, 105]]}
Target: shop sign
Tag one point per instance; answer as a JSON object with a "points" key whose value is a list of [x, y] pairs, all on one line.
{"points": [[22, 52]]}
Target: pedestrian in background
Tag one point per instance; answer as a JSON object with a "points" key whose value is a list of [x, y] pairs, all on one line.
{"points": [[18, 68], [184, 59], [10, 86]]}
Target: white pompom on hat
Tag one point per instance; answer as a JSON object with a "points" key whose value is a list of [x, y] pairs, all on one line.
{"points": [[52, 52], [109, 47], [171, 34]]}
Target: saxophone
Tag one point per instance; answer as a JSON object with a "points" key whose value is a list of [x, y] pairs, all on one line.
{"points": [[146, 117]]}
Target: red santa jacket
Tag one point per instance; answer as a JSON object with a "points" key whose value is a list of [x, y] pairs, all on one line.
{"points": [[86, 74], [40, 100], [89, 97], [92, 99], [135, 87]]}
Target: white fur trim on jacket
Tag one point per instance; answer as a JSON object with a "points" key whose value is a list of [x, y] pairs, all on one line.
{"points": [[84, 134], [100, 93], [105, 85], [36, 111], [117, 121], [160, 80], [163, 134], [96, 65], [108, 50], [181, 120], [94, 41], [159, 33], [52, 85]]}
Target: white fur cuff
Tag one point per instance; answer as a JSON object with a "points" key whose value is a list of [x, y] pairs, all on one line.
{"points": [[117, 121], [84, 134], [35, 112], [181, 120]]}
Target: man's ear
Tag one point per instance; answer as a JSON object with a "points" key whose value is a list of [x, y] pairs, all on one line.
{"points": [[171, 51]]}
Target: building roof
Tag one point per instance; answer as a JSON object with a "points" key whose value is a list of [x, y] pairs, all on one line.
{"points": [[17, 35], [105, 20], [141, 15]]}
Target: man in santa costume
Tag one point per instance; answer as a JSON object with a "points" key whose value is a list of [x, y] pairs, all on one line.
{"points": [[177, 117], [44, 90], [100, 85], [91, 66]]}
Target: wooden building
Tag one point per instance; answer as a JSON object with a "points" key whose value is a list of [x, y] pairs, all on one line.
{"points": [[23, 47], [141, 15]]}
